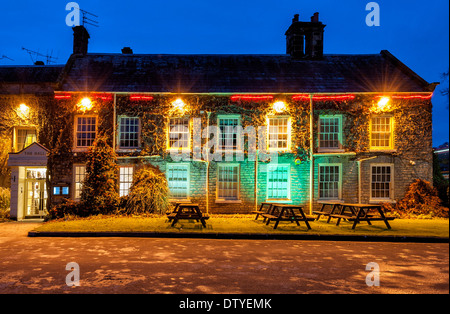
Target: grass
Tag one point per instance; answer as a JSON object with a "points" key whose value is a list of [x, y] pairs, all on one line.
{"points": [[245, 224]]}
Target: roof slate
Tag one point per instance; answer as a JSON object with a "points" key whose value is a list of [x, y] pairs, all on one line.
{"points": [[239, 74]]}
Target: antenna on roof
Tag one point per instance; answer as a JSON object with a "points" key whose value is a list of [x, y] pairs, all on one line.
{"points": [[5, 57], [88, 18], [37, 54]]}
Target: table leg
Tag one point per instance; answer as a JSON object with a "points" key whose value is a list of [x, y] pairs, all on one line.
{"points": [[357, 217], [384, 217]]}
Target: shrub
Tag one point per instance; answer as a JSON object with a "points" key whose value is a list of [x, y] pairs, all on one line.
{"points": [[421, 198], [99, 194], [148, 193], [5, 199]]}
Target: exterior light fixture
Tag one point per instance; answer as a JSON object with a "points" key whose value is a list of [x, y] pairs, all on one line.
{"points": [[24, 109], [279, 106], [85, 104], [178, 104], [383, 104]]}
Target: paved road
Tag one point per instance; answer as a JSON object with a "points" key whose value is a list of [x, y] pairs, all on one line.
{"points": [[147, 265]]}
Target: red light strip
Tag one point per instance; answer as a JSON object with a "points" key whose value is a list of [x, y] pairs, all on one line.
{"points": [[140, 97], [251, 97], [413, 96], [105, 97], [63, 96], [317, 97]]}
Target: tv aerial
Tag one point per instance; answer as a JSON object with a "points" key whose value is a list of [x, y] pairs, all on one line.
{"points": [[34, 55], [5, 57], [88, 18]]}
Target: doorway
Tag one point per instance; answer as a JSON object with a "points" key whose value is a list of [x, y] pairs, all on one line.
{"points": [[35, 202]]}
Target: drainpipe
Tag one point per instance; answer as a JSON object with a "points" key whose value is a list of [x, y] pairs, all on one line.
{"points": [[114, 123], [207, 166], [359, 176], [311, 148]]}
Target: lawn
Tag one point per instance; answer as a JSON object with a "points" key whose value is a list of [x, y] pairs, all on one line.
{"points": [[246, 224]]}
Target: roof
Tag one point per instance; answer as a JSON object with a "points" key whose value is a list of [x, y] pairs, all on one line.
{"points": [[161, 73], [30, 74], [29, 79]]}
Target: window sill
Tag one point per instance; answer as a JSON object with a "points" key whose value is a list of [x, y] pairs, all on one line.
{"points": [[330, 150], [278, 200], [228, 201], [382, 150], [380, 201], [128, 150]]}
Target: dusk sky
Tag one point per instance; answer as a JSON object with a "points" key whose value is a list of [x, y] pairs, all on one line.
{"points": [[416, 32]]}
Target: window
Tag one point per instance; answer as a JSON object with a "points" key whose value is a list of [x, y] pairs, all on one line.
{"points": [[279, 133], [278, 182], [178, 180], [79, 175], [61, 190], [330, 134], [125, 179], [129, 132], [229, 136], [86, 130], [228, 182], [330, 181], [381, 132], [381, 182], [24, 137], [179, 136]]}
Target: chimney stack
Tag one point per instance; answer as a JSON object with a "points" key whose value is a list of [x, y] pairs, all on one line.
{"points": [[127, 51], [80, 40], [304, 40]]}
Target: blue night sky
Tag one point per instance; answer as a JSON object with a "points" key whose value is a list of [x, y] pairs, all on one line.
{"points": [[415, 31]]}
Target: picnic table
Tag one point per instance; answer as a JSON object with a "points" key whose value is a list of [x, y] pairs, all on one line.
{"points": [[361, 212], [335, 208], [264, 208], [286, 212], [188, 211]]}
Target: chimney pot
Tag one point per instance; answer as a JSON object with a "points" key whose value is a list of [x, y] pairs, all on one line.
{"points": [[315, 17], [295, 19], [127, 50]]}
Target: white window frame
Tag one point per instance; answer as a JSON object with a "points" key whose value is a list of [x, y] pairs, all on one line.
{"points": [[220, 199], [391, 136], [188, 180], [391, 183], [169, 132], [119, 133], [75, 133], [238, 147], [339, 182], [77, 184], [269, 170], [124, 185], [330, 149], [269, 133]]}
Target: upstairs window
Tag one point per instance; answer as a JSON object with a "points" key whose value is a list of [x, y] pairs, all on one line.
{"points": [[330, 132], [129, 132], [381, 132], [86, 131], [23, 137], [278, 133], [179, 135], [229, 135]]}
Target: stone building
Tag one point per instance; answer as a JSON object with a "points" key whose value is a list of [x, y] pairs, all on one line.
{"points": [[229, 131]]}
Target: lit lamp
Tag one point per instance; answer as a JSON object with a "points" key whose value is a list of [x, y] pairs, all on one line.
{"points": [[279, 106], [85, 104], [24, 109], [178, 104], [382, 104]]}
